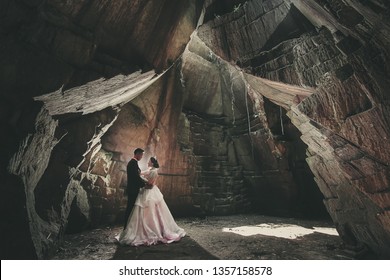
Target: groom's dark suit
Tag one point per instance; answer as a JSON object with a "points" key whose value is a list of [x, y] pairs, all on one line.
{"points": [[134, 183]]}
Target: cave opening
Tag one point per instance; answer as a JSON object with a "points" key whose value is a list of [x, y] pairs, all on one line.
{"points": [[308, 200]]}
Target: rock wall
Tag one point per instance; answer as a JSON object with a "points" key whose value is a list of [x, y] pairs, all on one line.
{"points": [[92, 57], [341, 50], [244, 160]]}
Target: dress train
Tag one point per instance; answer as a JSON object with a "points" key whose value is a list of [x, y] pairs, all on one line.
{"points": [[150, 221]]}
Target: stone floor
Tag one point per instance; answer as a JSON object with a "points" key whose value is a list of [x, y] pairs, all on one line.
{"points": [[243, 237]]}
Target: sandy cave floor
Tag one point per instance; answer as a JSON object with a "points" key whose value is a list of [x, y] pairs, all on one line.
{"points": [[238, 237]]}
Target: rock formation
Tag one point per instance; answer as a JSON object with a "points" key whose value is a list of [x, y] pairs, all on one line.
{"points": [[273, 106]]}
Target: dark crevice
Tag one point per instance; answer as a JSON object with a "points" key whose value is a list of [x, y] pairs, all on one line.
{"points": [[222, 7], [293, 26]]}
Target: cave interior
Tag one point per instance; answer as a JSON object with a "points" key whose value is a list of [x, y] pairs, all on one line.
{"points": [[277, 107]]}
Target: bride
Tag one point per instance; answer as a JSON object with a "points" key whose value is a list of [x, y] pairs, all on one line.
{"points": [[150, 221]]}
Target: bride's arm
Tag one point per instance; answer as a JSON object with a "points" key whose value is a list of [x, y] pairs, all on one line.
{"points": [[148, 177], [144, 172], [151, 178], [144, 176]]}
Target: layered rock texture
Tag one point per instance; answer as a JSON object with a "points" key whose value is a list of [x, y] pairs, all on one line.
{"points": [[279, 107]]}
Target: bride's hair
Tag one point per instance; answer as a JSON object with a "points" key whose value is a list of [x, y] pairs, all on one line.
{"points": [[155, 162]]}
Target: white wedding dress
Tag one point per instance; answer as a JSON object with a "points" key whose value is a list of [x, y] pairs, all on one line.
{"points": [[150, 221]]}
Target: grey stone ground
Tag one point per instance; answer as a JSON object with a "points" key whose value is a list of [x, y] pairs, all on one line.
{"points": [[219, 238]]}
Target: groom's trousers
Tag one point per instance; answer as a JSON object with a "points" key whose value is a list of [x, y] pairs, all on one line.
{"points": [[131, 198]]}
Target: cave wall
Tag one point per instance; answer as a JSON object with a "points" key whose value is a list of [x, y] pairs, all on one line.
{"points": [[49, 47], [341, 51], [243, 160]]}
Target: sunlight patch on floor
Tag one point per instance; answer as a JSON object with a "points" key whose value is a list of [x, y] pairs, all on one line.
{"points": [[279, 230]]}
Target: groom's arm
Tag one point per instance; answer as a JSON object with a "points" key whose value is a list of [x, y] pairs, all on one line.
{"points": [[133, 174]]}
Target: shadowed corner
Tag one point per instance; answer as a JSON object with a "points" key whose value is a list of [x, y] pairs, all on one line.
{"points": [[185, 249]]}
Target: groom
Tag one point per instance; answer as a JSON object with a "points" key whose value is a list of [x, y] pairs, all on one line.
{"points": [[134, 181]]}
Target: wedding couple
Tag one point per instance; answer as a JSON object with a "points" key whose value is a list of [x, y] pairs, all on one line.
{"points": [[148, 220]]}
